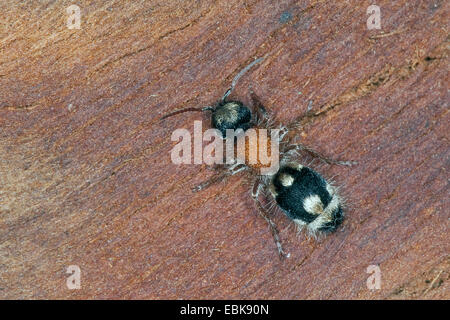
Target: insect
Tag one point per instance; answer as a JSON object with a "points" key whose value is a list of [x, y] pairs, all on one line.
{"points": [[304, 196]]}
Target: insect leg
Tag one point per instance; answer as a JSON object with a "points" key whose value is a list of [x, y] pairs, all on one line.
{"points": [[262, 117], [315, 154], [263, 213], [220, 176]]}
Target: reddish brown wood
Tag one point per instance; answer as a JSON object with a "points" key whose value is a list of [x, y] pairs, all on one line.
{"points": [[85, 171]]}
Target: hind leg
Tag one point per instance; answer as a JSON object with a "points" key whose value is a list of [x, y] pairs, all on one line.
{"points": [[263, 213], [299, 147]]}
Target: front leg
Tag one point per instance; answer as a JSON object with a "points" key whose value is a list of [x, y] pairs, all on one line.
{"points": [[261, 114], [263, 213]]}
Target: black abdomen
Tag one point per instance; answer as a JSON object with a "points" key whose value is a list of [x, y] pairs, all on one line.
{"points": [[301, 192]]}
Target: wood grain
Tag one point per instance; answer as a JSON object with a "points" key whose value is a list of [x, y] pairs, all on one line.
{"points": [[86, 177]]}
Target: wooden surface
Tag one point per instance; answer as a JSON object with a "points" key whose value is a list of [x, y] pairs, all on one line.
{"points": [[85, 172]]}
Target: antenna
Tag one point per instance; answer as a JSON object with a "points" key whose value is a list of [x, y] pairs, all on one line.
{"points": [[240, 74], [208, 108], [227, 93]]}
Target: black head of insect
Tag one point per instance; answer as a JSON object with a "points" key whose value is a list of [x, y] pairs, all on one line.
{"points": [[226, 114]]}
